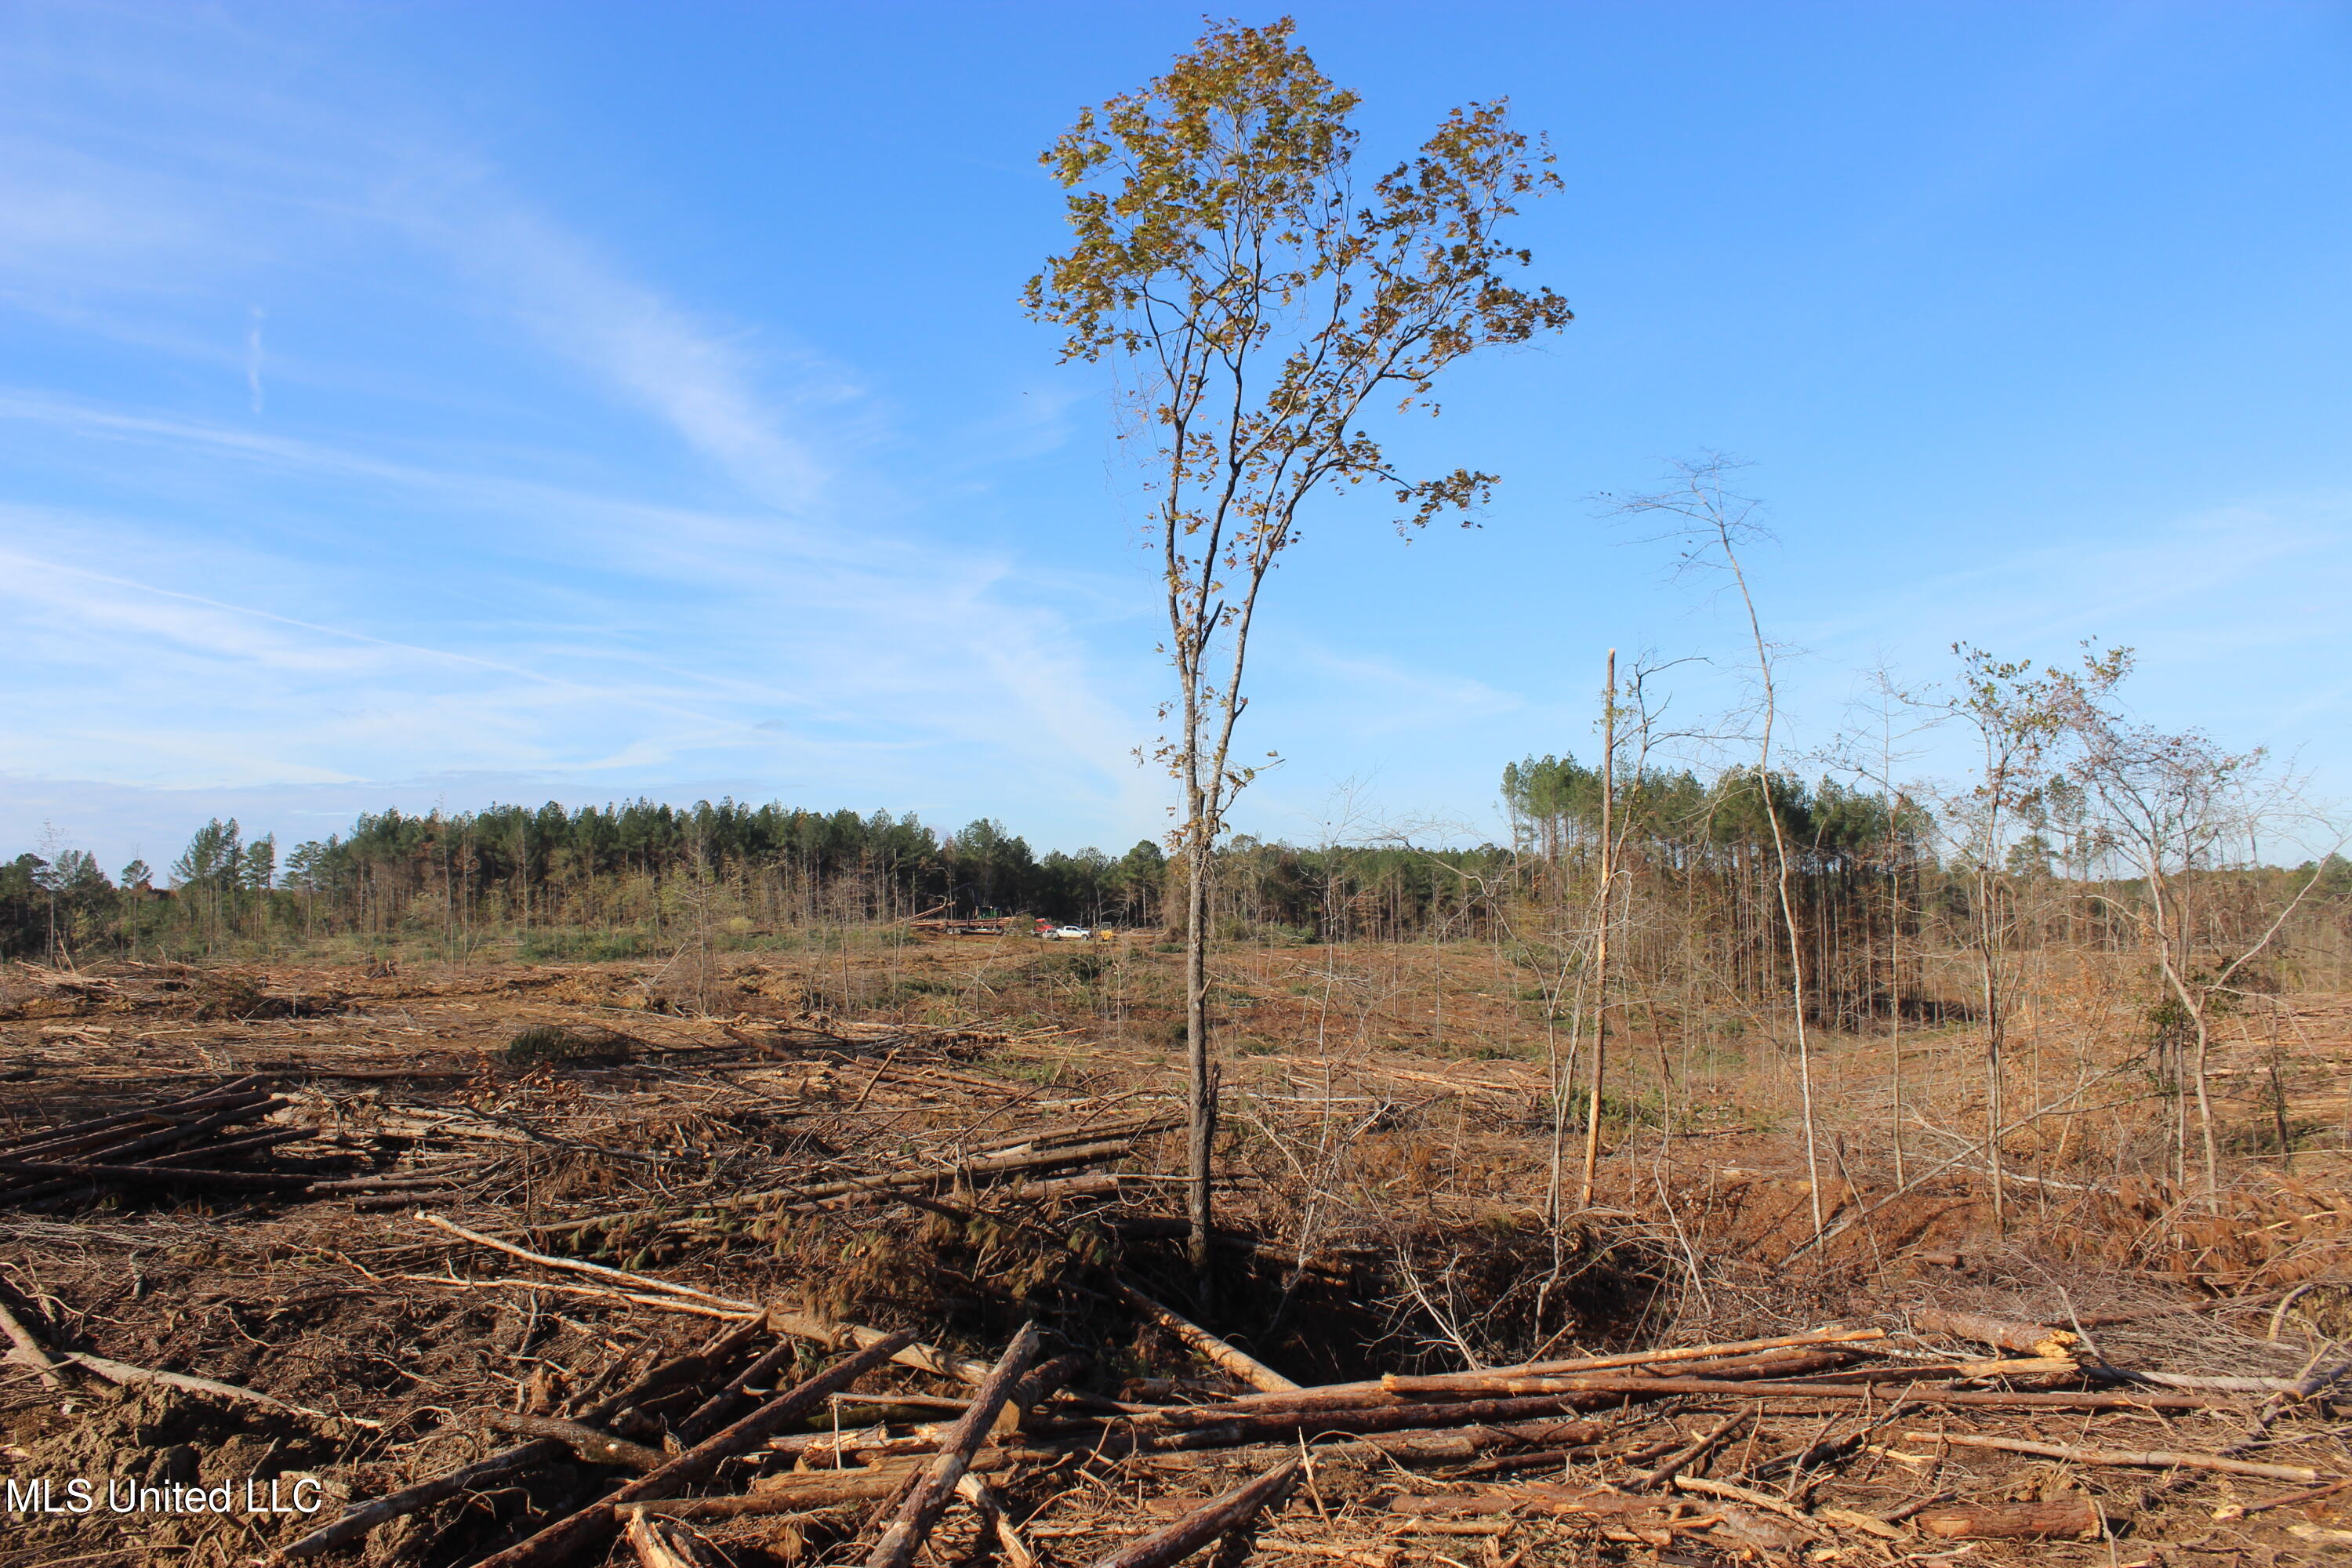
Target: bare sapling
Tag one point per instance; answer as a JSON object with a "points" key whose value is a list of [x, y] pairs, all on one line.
{"points": [[1711, 523]]}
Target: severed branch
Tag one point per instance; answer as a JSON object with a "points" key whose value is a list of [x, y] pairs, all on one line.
{"points": [[1246, 1367], [598, 1447], [1203, 1525], [1690, 1451], [929, 1497], [28, 1350], [2146, 1458]]}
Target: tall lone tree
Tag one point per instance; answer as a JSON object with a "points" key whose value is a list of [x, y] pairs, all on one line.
{"points": [[1258, 305]]}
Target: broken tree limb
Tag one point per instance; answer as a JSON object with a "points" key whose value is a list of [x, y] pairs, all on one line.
{"points": [[988, 1503], [172, 1175], [1753, 1498], [590, 1527], [124, 1137], [2072, 1516], [357, 1521], [1894, 1386], [928, 1500], [1780, 1364], [28, 1350], [2032, 1339], [1825, 1336], [1689, 1451], [1239, 1364], [2146, 1458], [708, 1416], [598, 1447], [212, 1098], [668, 1544], [921, 1356], [578, 1266], [1196, 1530], [659, 1303], [125, 1374]]}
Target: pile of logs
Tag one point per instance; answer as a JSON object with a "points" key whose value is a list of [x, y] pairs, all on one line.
{"points": [[172, 1144], [722, 1435]]}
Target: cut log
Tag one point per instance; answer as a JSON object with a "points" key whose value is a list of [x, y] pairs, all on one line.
{"points": [[1632, 1358], [713, 1411], [152, 1175], [26, 1350], [2074, 1516], [1228, 1513], [1779, 1363], [988, 1503], [1893, 1387], [1226, 1357], [2030, 1338], [2146, 1458], [922, 1357], [668, 1544], [123, 1373], [1689, 1451], [211, 1100], [119, 1145], [357, 1521], [598, 1447], [930, 1495]]}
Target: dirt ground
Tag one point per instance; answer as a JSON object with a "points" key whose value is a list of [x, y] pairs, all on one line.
{"points": [[954, 1136]]}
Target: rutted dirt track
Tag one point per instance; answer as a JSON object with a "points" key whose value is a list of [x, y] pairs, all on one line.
{"points": [[778, 1186]]}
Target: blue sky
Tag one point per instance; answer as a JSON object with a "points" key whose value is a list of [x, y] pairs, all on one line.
{"points": [[434, 403]]}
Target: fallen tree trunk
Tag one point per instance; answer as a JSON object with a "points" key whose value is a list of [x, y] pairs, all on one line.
{"points": [[930, 1496], [666, 1543], [28, 1350], [150, 1175], [2144, 1458], [1891, 1388], [1780, 1364], [1226, 1357], [1826, 1336], [2072, 1516], [598, 1447], [2032, 1339], [356, 1522], [1197, 1529], [211, 1098], [122, 1373]]}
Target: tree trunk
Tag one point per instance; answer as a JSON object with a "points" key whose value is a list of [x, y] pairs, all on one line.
{"points": [[1201, 1076]]}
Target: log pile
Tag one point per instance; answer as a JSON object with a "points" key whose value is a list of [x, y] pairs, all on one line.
{"points": [[1745, 1447], [204, 1140]]}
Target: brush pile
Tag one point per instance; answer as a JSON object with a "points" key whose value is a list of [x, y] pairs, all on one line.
{"points": [[504, 1281]]}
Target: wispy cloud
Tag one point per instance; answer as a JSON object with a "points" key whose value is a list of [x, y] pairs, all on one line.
{"points": [[339, 598]]}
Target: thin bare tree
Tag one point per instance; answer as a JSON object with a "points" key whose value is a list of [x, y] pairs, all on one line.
{"points": [[1261, 306], [1711, 523]]}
